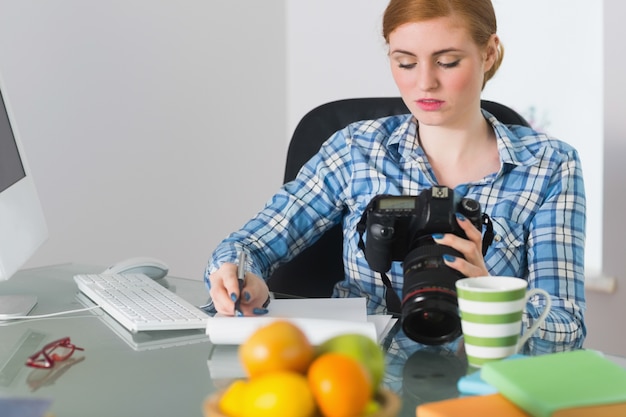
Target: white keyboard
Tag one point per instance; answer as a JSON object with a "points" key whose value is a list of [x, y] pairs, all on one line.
{"points": [[139, 303]]}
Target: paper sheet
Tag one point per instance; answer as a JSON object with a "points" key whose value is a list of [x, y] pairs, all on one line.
{"points": [[319, 318]]}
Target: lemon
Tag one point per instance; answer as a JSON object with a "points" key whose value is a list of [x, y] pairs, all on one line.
{"points": [[277, 394], [372, 407], [230, 401]]}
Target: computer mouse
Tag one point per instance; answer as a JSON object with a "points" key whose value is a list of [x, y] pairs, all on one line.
{"points": [[152, 267]]}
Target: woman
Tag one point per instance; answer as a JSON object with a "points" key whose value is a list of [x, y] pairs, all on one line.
{"points": [[442, 53]]}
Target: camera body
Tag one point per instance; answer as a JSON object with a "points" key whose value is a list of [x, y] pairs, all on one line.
{"points": [[400, 228], [398, 224]]}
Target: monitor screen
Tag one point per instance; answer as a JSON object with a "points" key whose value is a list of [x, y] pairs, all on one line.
{"points": [[22, 224], [11, 167]]}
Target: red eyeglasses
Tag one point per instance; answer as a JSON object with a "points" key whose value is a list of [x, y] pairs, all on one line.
{"points": [[59, 350]]}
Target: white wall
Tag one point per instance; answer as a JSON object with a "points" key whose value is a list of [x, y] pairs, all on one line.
{"points": [[541, 78], [335, 50], [607, 312], [151, 127]]}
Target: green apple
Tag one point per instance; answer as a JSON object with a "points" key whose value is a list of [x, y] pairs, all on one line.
{"points": [[363, 349]]}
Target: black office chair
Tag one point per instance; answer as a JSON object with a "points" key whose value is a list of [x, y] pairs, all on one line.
{"points": [[314, 272]]}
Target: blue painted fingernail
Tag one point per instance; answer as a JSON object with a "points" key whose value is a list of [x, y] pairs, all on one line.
{"points": [[449, 258], [246, 295], [233, 296], [460, 216], [260, 311], [437, 235]]}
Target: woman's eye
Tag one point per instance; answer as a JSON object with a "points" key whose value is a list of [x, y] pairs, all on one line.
{"points": [[449, 64], [406, 66]]}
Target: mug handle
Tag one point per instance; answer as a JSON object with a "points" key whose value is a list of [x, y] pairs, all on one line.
{"points": [[542, 317]]}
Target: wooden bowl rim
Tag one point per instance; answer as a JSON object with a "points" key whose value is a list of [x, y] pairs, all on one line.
{"points": [[390, 404]]}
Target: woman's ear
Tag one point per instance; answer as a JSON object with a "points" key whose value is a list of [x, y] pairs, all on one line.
{"points": [[491, 52]]}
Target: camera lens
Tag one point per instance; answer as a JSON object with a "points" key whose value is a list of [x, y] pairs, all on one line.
{"points": [[432, 319], [430, 312]]}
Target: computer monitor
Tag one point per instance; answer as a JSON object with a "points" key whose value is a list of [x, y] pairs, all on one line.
{"points": [[22, 224]]}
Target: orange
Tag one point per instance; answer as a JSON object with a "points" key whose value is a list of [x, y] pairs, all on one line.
{"points": [[278, 394], [278, 346], [360, 347], [342, 387]]}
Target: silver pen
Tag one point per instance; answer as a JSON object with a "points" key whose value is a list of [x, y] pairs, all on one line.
{"points": [[241, 278]]}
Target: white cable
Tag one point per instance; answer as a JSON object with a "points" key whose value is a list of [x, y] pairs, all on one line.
{"points": [[45, 316]]}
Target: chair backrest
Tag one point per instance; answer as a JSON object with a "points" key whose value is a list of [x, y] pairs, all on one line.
{"points": [[314, 272]]}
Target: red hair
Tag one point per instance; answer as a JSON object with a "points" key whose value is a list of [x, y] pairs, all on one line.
{"points": [[478, 16]]}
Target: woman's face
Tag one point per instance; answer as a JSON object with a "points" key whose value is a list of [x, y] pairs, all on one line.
{"points": [[439, 70]]}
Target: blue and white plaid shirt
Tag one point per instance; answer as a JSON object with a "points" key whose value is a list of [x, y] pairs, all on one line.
{"points": [[536, 202]]}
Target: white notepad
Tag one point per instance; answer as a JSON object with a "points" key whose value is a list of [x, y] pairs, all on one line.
{"points": [[319, 318]]}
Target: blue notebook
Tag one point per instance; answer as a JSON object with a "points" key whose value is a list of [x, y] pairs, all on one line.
{"points": [[24, 407], [473, 384]]}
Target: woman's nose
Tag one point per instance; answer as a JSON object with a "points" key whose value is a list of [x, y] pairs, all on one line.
{"points": [[427, 78]]}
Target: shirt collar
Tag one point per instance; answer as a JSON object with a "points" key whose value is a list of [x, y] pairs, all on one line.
{"points": [[511, 149], [404, 140]]}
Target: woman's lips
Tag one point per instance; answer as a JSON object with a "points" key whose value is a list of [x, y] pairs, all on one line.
{"points": [[429, 104]]}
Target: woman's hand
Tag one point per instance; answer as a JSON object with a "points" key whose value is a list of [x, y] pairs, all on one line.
{"points": [[225, 291], [474, 264]]}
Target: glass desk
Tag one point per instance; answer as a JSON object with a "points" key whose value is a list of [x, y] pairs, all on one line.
{"points": [[151, 373], [157, 373], [111, 377]]}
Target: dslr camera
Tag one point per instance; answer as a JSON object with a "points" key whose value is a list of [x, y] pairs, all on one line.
{"points": [[399, 228]]}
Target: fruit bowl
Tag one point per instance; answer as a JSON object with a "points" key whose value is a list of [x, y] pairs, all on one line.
{"points": [[389, 405]]}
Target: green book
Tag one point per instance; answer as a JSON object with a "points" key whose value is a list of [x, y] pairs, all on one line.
{"points": [[550, 385]]}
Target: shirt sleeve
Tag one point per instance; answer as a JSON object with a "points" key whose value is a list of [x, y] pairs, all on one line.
{"points": [[296, 216], [555, 250]]}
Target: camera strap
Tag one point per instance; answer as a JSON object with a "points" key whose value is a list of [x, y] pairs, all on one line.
{"points": [[489, 235], [391, 297], [362, 224]]}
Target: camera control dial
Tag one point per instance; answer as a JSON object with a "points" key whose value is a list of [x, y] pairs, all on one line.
{"points": [[470, 206]]}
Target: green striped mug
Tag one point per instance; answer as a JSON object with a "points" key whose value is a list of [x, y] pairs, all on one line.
{"points": [[491, 316]]}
